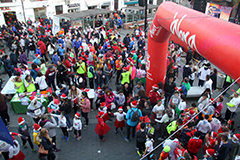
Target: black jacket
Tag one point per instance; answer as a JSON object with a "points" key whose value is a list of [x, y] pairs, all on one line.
{"points": [[62, 68], [47, 145], [13, 58], [66, 108], [170, 88], [186, 71]]}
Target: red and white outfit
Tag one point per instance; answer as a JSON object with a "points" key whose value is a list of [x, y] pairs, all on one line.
{"points": [[103, 109], [101, 128], [119, 122], [15, 153], [211, 142]]}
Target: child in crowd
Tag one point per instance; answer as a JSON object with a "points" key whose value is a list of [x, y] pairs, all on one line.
{"points": [[141, 139], [103, 109], [100, 97], [36, 131], [24, 131], [148, 145], [119, 122], [101, 128], [63, 125], [120, 98], [77, 125]]}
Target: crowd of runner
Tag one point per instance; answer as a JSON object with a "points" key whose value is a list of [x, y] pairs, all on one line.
{"points": [[68, 65]]}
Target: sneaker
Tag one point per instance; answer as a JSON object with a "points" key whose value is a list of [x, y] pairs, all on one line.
{"points": [[115, 132], [24, 146], [34, 150], [122, 132], [70, 129], [139, 153], [102, 140], [67, 139], [75, 136], [127, 139], [79, 138], [64, 137], [57, 150]]}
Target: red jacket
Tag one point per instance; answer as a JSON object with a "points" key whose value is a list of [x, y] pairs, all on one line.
{"points": [[42, 47], [194, 145], [116, 48], [154, 96], [50, 74]]}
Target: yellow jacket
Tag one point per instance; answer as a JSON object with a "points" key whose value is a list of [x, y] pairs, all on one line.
{"points": [[35, 134]]}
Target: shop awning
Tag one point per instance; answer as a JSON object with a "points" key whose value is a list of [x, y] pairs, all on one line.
{"points": [[131, 2], [94, 2]]}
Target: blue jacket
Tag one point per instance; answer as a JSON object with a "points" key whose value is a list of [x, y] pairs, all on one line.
{"points": [[61, 51], [129, 116], [60, 40], [37, 61], [74, 43], [184, 90], [38, 51], [55, 58], [105, 46], [131, 44], [78, 44], [119, 22], [34, 73]]}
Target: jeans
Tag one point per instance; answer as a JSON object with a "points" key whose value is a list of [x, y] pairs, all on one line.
{"points": [[32, 53], [98, 85], [91, 84], [27, 51], [167, 98], [200, 82], [68, 120], [85, 115], [133, 131], [106, 79]]}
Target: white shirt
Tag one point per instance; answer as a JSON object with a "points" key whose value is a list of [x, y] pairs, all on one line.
{"points": [[182, 105], [77, 124], [50, 49], [204, 73], [149, 144], [103, 110], [63, 122], [93, 41], [208, 84], [158, 109], [119, 116], [236, 102], [41, 82]]}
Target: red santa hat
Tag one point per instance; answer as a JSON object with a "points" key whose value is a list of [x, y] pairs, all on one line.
{"points": [[70, 27], [124, 68], [125, 48], [103, 104], [210, 152], [37, 55], [134, 103], [107, 40], [21, 120], [77, 115], [82, 47], [155, 86], [56, 101], [62, 28], [120, 108], [122, 44], [37, 127], [108, 46], [212, 100], [214, 134], [133, 39], [133, 52], [119, 56], [236, 136], [119, 43], [63, 96], [89, 45], [100, 47], [100, 113], [133, 62], [99, 89]]}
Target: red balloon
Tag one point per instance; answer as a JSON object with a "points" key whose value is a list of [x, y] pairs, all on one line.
{"points": [[215, 39]]}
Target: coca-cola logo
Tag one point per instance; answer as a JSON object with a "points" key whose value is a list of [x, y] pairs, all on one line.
{"points": [[182, 35]]}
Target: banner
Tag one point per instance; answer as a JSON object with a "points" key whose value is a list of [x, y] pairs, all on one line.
{"points": [[4, 134], [218, 11], [56, 25]]}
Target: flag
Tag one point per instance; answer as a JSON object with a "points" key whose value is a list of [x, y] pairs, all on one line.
{"points": [[4, 133]]}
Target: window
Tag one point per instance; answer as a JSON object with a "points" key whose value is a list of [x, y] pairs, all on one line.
{"points": [[6, 1], [59, 9]]}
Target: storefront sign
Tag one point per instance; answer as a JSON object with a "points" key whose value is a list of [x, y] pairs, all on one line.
{"points": [[218, 11], [74, 5]]}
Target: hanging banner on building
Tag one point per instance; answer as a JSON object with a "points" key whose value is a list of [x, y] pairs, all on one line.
{"points": [[56, 25], [218, 11]]}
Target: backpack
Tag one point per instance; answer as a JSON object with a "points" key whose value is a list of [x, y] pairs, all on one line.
{"points": [[135, 116]]}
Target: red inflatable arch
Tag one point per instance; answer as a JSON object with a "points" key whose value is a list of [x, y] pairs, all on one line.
{"points": [[215, 39]]}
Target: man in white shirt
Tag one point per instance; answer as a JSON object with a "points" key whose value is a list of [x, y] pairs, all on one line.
{"points": [[208, 83], [232, 106], [93, 40], [202, 73], [158, 110]]}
